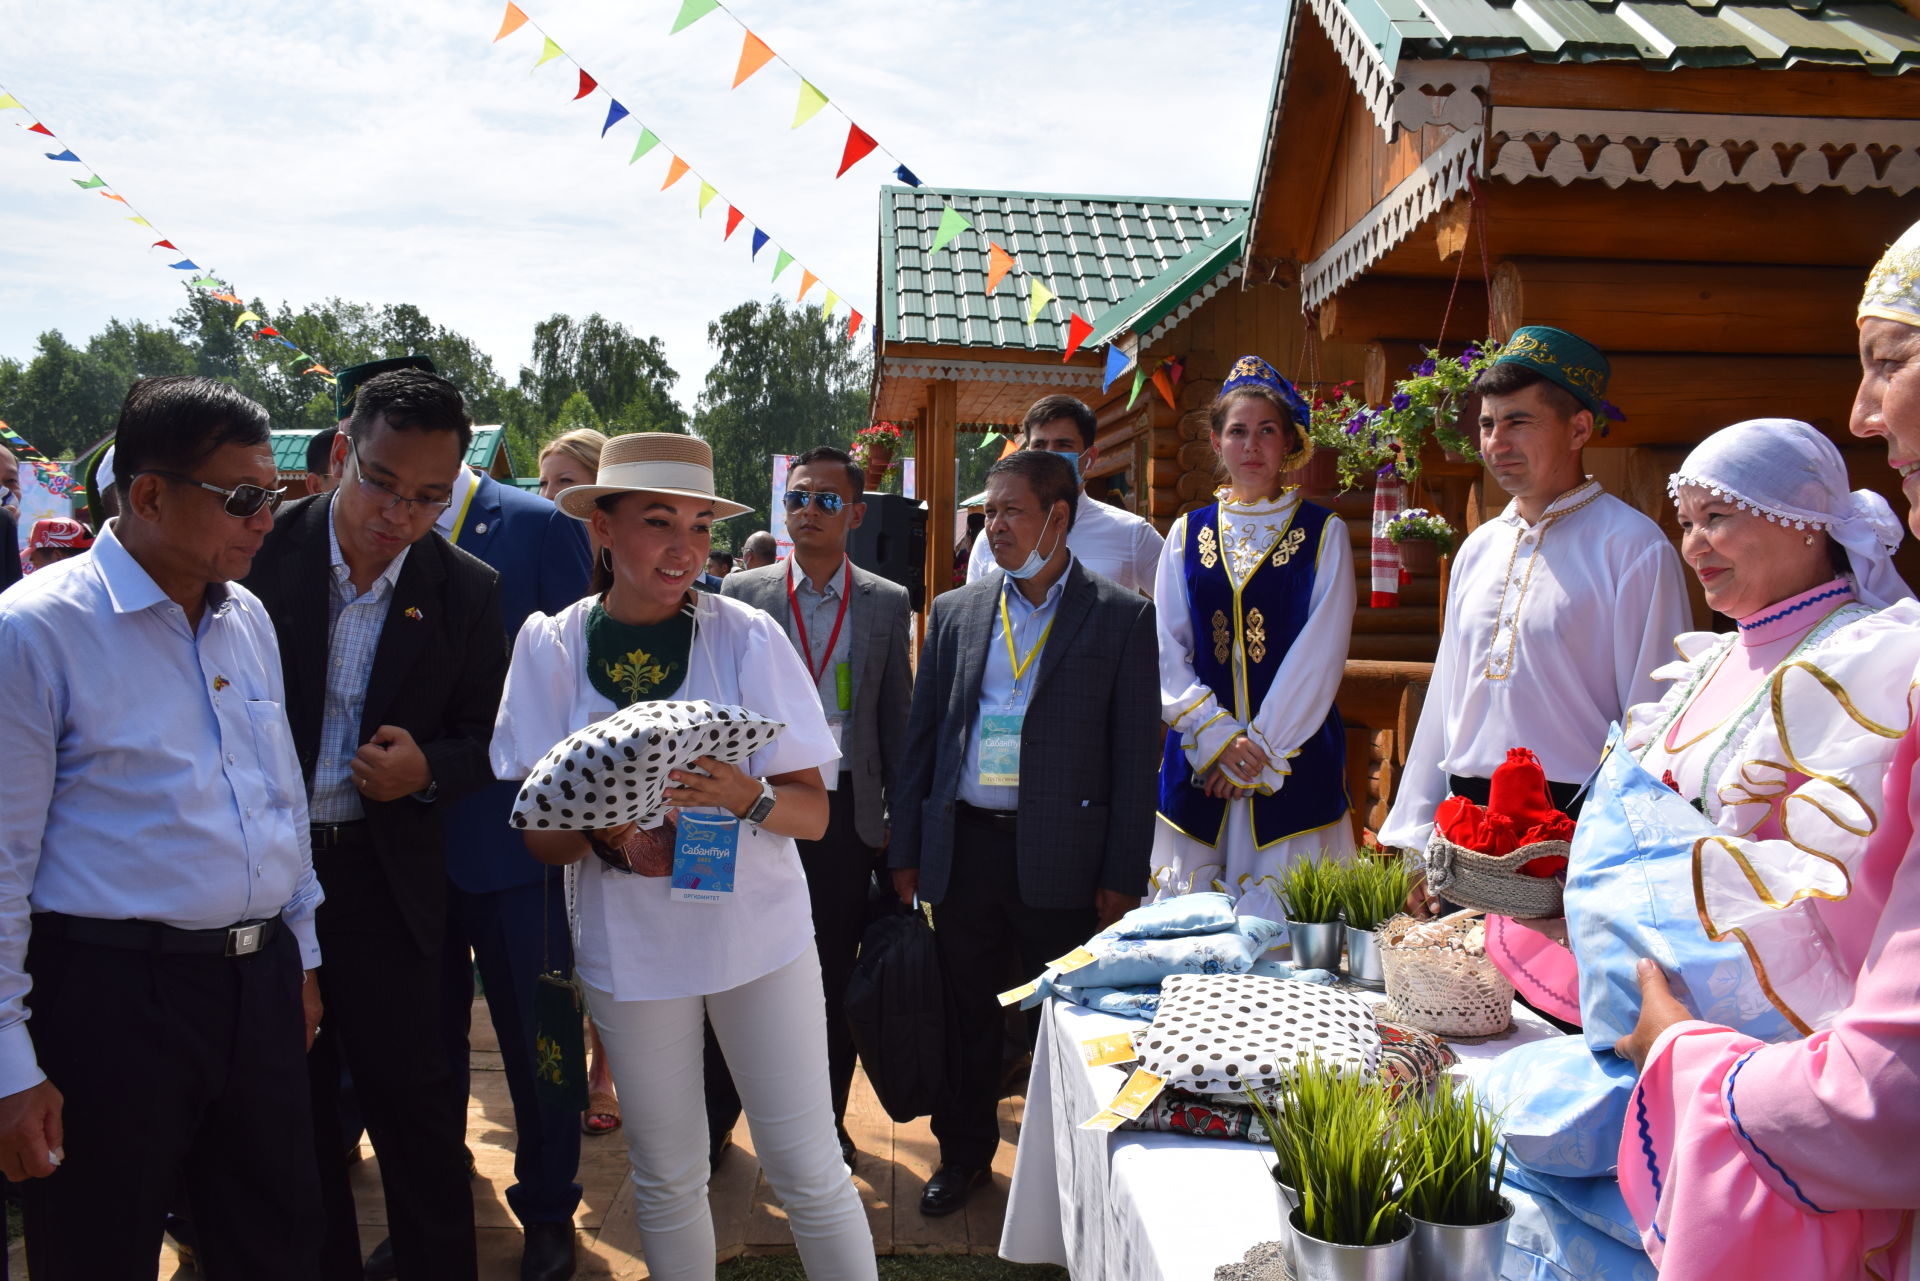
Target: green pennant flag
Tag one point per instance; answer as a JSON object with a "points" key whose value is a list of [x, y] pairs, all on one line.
{"points": [[648, 141], [691, 11], [780, 263], [811, 100], [95, 181], [548, 52], [951, 225], [206, 282], [1139, 381], [707, 193]]}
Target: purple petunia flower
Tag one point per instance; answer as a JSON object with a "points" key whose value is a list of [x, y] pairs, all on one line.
{"points": [[1424, 368], [1612, 411], [1401, 400]]}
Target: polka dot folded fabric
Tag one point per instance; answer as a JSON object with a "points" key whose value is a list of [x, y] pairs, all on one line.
{"points": [[616, 770], [1218, 1033]]}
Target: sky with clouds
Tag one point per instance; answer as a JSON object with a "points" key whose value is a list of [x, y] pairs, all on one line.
{"points": [[387, 153]]}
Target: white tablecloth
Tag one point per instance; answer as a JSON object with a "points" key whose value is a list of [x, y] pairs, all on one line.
{"points": [[1140, 1206]]}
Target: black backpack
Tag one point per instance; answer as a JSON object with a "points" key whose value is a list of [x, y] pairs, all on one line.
{"points": [[898, 1006]]}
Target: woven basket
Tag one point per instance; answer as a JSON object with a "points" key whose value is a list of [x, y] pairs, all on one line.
{"points": [[1443, 989], [1494, 883]]}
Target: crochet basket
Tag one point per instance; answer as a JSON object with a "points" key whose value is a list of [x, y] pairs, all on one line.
{"points": [[1441, 988], [1494, 883]]}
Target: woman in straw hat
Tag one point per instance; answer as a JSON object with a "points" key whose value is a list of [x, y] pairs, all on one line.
{"points": [[655, 969]]}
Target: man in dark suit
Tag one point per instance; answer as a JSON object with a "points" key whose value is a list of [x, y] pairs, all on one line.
{"points": [[1025, 808], [850, 628], [391, 643]]}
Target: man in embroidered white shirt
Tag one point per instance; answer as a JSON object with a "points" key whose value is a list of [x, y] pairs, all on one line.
{"points": [[1559, 607]]}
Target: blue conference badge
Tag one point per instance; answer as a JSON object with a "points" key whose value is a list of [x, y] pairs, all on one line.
{"points": [[704, 847]]}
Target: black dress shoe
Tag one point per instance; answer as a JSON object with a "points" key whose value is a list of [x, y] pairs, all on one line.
{"points": [[549, 1252], [847, 1150], [380, 1264], [947, 1190], [716, 1149]]}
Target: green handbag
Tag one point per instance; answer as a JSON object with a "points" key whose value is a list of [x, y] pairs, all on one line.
{"points": [[559, 1033]]}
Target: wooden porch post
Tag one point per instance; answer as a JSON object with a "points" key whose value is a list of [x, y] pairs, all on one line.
{"points": [[937, 472]]}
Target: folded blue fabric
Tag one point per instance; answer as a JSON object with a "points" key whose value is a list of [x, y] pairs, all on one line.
{"points": [[1121, 961], [1176, 917], [1595, 1202], [1561, 1105], [1144, 1002], [1547, 1242]]}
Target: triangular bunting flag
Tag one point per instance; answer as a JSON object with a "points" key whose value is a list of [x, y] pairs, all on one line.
{"points": [[1037, 297], [316, 369], [232, 298], [164, 244], [905, 175], [206, 282], [65, 155], [185, 264], [832, 301], [1176, 367], [244, 317], [951, 225], [111, 196], [691, 11], [648, 141], [754, 54], [37, 127], [707, 193], [509, 24], [859, 143], [141, 221], [853, 324], [733, 220], [615, 114], [811, 100], [1165, 388], [95, 181], [780, 263], [675, 172], [267, 331], [548, 52], [1078, 327], [1116, 365], [587, 85], [999, 263], [759, 242], [807, 281], [1139, 379], [8, 102], [284, 343]]}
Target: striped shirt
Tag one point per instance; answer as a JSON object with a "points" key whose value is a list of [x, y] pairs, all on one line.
{"points": [[354, 623]]}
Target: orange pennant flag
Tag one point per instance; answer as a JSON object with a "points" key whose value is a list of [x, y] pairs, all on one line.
{"points": [[754, 54], [807, 281], [110, 196], [999, 263], [1165, 388], [675, 172], [511, 23], [232, 298], [853, 324]]}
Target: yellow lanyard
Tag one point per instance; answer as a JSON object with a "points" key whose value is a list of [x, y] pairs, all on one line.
{"points": [[461, 519], [1020, 665]]}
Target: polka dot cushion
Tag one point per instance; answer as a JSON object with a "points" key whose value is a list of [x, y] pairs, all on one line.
{"points": [[615, 770], [1217, 1033]]}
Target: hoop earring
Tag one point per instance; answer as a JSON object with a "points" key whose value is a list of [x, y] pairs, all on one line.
{"points": [[606, 559]]}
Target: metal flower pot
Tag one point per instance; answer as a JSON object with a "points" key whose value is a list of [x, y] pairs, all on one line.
{"points": [[1316, 944], [1289, 1195], [1446, 1252], [1317, 1260], [1364, 965]]}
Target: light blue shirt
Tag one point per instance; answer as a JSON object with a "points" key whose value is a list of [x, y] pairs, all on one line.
{"points": [[150, 772], [998, 693], [817, 613], [354, 624]]}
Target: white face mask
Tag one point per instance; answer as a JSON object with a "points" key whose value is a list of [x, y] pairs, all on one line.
{"points": [[1035, 562]]}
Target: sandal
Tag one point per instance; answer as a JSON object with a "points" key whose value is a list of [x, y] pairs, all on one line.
{"points": [[602, 1115]]}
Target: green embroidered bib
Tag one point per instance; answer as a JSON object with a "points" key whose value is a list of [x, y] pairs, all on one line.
{"points": [[636, 663]]}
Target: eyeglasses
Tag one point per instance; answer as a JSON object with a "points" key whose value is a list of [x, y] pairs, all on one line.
{"points": [[241, 502], [388, 500], [796, 499]]}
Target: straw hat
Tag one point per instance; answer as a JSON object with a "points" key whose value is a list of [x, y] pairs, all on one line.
{"points": [[651, 462]]}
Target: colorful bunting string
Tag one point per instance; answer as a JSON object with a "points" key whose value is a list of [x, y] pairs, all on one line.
{"points": [[215, 287]]}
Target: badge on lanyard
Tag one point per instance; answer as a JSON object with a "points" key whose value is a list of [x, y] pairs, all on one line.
{"points": [[1000, 731], [704, 848]]}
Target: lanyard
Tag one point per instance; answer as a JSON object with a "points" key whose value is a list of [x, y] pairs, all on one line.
{"points": [[1020, 665], [461, 519], [800, 624]]}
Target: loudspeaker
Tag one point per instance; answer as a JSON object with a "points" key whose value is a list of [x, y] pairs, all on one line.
{"points": [[892, 542]]}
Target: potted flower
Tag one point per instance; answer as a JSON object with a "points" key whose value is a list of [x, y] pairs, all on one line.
{"points": [[1373, 888], [874, 448], [1423, 537], [1454, 1166], [1422, 407], [1310, 893]]}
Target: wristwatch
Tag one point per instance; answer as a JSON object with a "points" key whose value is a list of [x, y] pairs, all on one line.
{"points": [[758, 811]]}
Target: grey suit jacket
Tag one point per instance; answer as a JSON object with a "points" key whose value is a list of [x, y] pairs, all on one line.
{"points": [[876, 732], [1089, 748]]}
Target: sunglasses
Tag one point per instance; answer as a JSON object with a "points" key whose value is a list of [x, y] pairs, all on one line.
{"points": [[242, 501], [795, 499]]}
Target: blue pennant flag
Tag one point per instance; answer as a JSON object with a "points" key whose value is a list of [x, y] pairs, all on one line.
{"points": [[1118, 362], [759, 241], [65, 155], [185, 264], [905, 175], [615, 114]]}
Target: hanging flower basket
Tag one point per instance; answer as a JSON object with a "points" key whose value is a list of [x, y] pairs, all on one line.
{"points": [[874, 449], [1423, 406]]}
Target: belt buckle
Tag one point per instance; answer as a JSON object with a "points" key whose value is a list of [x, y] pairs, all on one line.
{"points": [[244, 940]]}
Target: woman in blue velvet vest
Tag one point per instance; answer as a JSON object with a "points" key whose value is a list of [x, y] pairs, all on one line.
{"points": [[1255, 595]]}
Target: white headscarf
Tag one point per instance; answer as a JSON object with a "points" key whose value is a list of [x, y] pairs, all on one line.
{"points": [[1791, 474]]}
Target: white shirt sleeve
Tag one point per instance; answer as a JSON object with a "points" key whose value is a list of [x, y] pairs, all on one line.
{"points": [[1309, 676], [1652, 610], [536, 708], [1147, 544], [980, 561], [1187, 704], [30, 724]]}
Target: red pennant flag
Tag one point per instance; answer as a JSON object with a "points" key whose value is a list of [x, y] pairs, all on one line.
{"points": [[853, 324], [164, 244], [1077, 330], [999, 263], [859, 143], [511, 23], [37, 127], [1176, 367], [733, 220], [587, 85], [807, 281], [268, 331], [754, 54], [1164, 387], [675, 172]]}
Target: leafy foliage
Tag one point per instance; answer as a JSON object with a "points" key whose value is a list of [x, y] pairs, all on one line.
{"points": [[1332, 1133], [1310, 888], [1372, 888], [1455, 1164]]}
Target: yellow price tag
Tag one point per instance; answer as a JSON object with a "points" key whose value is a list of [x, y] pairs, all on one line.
{"points": [[1141, 1089], [1077, 959], [1105, 1119], [1105, 1051], [1020, 993]]}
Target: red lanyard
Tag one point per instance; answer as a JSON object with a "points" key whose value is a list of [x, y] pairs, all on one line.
{"points": [[800, 624]]}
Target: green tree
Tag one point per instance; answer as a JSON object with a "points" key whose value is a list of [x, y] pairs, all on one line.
{"points": [[786, 379], [625, 378]]}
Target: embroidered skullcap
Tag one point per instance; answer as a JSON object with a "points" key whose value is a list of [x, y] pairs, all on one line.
{"points": [[1565, 359], [1893, 289], [1789, 473]]}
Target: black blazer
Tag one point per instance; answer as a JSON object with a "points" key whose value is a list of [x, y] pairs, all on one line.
{"points": [[437, 673]]}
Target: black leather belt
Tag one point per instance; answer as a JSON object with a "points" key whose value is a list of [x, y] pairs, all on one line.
{"points": [[998, 820], [326, 836], [242, 939]]}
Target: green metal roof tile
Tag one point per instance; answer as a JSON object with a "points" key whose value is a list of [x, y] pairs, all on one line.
{"points": [[290, 450]]}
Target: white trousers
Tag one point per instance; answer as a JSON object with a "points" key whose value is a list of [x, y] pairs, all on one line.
{"points": [[775, 1038]]}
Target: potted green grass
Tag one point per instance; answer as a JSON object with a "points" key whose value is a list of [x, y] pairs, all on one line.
{"points": [[1373, 889], [1454, 1166], [1310, 892]]}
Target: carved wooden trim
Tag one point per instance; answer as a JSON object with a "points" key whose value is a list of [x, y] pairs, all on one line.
{"points": [[1441, 92], [1413, 200], [1222, 278], [1710, 151], [1371, 75], [981, 371]]}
